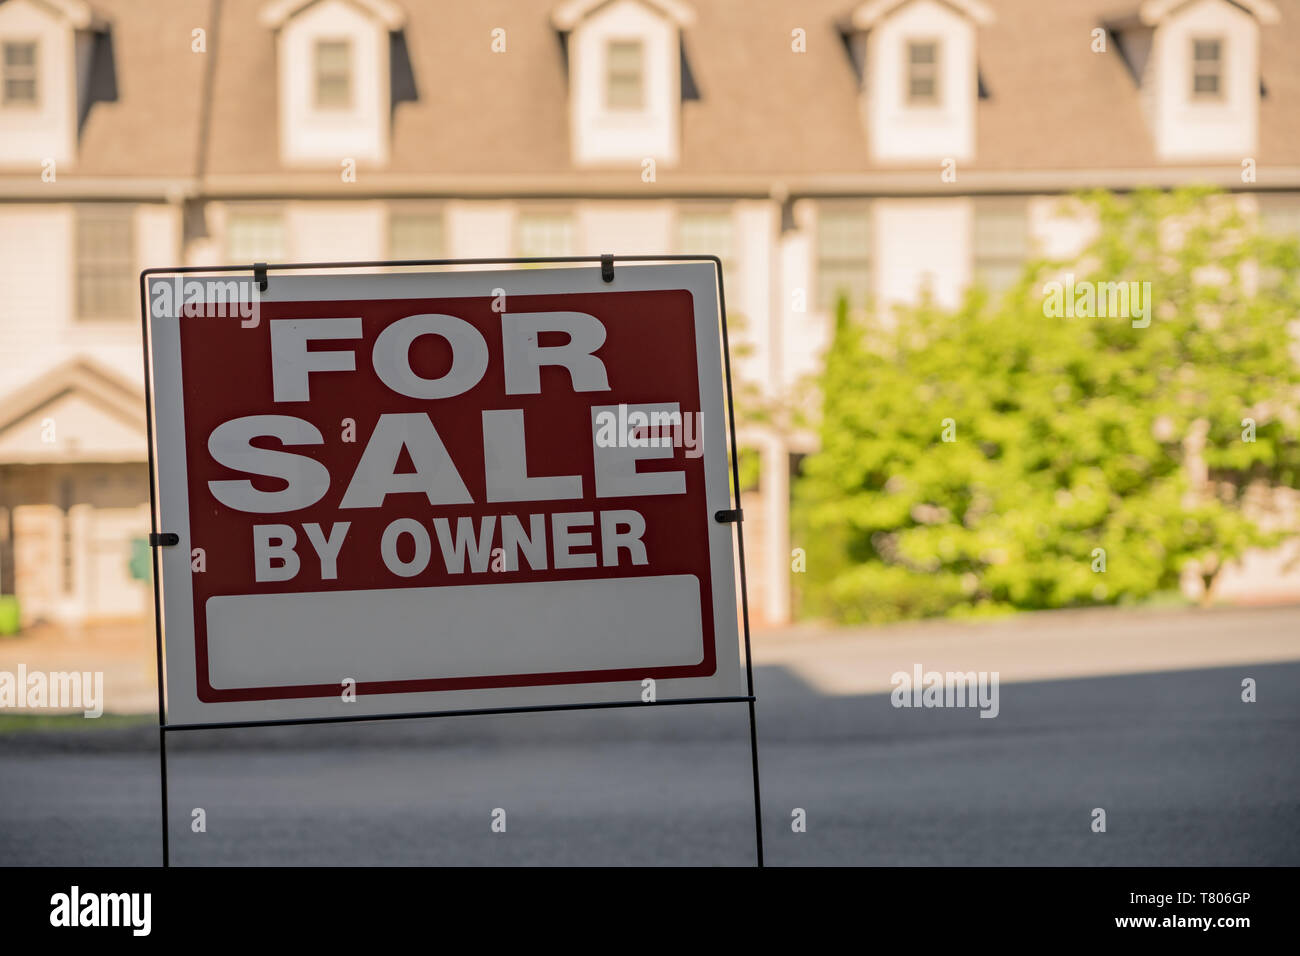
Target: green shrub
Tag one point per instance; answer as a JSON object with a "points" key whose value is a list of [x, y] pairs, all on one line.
{"points": [[1073, 436]]}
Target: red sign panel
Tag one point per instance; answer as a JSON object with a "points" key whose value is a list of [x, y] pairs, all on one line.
{"points": [[397, 496]]}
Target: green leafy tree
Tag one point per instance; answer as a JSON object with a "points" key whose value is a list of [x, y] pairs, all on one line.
{"points": [[1076, 443]]}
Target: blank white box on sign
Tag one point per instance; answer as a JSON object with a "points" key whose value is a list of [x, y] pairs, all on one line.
{"points": [[320, 637]]}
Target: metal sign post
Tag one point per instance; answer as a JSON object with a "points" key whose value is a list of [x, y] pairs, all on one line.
{"points": [[237, 703]]}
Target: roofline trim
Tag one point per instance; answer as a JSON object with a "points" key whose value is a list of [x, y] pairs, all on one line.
{"points": [[568, 15], [620, 184], [77, 375], [872, 12], [607, 183], [76, 12], [1151, 12], [278, 12], [69, 187]]}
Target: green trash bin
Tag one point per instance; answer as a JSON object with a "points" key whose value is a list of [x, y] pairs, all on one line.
{"points": [[8, 614], [140, 565]]}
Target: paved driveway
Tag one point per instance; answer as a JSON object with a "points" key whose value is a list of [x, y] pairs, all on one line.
{"points": [[1186, 772]]}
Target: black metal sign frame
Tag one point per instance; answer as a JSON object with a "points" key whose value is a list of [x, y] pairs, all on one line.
{"points": [[159, 539]]}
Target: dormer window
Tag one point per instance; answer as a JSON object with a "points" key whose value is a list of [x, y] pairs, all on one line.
{"points": [[53, 57], [923, 73], [333, 64], [917, 63], [625, 78], [1196, 69], [624, 75], [20, 74], [1207, 69]]}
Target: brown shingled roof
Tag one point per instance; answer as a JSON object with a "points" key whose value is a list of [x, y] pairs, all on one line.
{"points": [[152, 128], [762, 110]]}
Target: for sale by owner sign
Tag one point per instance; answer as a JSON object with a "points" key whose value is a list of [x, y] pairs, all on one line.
{"points": [[412, 493]]}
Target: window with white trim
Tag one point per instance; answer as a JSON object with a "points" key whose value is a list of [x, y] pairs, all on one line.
{"points": [[843, 255], [1207, 68], [1280, 214], [625, 75], [1279, 217], [708, 233], [1000, 243], [332, 62], [255, 235], [105, 266], [415, 234], [923, 73], [541, 234], [20, 86]]}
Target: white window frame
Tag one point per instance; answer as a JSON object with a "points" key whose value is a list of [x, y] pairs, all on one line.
{"points": [[397, 212], [863, 210], [110, 267], [610, 105], [933, 73], [529, 217], [727, 253], [349, 74], [1220, 73], [270, 212], [983, 261], [6, 73]]}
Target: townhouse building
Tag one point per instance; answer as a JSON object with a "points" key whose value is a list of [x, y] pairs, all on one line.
{"points": [[882, 149]]}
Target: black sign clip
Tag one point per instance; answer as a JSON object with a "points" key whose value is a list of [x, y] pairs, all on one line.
{"points": [[165, 539], [729, 516], [259, 273], [607, 268]]}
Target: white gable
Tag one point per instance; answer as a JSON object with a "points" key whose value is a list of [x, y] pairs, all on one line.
{"points": [[316, 134], [568, 16], [1153, 11], [869, 14], [77, 411], [72, 427], [904, 131], [277, 13], [1184, 126], [605, 132]]}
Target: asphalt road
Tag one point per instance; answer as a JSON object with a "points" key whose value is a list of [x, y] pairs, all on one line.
{"points": [[1187, 773]]}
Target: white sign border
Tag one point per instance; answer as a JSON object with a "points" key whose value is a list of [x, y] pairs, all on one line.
{"points": [[177, 600]]}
